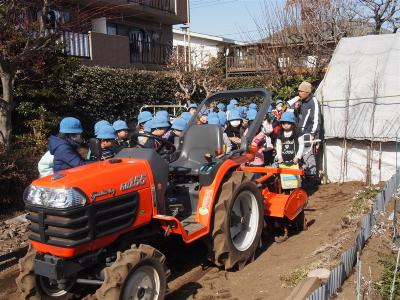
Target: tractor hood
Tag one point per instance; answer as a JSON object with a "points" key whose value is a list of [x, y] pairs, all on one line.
{"points": [[90, 183]]}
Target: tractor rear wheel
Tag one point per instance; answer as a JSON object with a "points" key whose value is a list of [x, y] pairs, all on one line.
{"points": [[137, 274], [32, 286], [237, 222]]}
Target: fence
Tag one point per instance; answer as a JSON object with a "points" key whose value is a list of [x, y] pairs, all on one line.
{"points": [[76, 44], [149, 53], [348, 259]]}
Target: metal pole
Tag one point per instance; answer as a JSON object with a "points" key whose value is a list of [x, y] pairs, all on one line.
{"points": [[358, 283], [394, 275], [189, 47], [396, 187]]}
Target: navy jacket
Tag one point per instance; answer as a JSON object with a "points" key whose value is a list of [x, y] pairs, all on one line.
{"points": [[310, 116], [66, 155]]}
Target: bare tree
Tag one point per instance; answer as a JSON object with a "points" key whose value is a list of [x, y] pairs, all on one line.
{"points": [[211, 75], [380, 12], [187, 81], [301, 36]]}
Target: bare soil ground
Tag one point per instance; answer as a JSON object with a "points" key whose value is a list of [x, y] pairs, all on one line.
{"points": [[377, 248], [193, 278]]}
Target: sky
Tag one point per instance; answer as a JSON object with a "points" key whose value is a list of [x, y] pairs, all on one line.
{"points": [[232, 19]]}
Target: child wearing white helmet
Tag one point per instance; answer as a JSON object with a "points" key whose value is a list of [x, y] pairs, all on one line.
{"points": [[289, 145]]}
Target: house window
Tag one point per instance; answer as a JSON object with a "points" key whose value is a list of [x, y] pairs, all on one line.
{"points": [[283, 62], [111, 29], [311, 61]]}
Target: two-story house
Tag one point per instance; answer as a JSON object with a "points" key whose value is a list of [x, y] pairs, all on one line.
{"points": [[123, 33]]}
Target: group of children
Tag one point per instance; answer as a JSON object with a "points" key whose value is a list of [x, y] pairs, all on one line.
{"points": [[276, 140]]}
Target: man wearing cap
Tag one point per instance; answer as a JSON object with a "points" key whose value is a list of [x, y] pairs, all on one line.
{"points": [[309, 124]]}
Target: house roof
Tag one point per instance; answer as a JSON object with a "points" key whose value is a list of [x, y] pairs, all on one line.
{"points": [[208, 37]]}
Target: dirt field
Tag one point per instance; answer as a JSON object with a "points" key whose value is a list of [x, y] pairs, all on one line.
{"points": [[193, 278], [377, 248]]}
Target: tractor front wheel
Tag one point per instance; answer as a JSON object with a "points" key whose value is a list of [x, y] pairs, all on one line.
{"points": [[237, 222], [138, 274], [32, 286]]}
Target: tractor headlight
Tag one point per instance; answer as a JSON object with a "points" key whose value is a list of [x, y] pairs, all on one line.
{"points": [[54, 197]]}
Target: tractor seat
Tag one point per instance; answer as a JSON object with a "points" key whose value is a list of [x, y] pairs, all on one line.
{"points": [[95, 149], [197, 142]]}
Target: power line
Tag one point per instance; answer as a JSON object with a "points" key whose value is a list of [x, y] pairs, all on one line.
{"points": [[217, 3]]}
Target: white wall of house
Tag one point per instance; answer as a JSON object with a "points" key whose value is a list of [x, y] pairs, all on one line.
{"points": [[202, 46]]}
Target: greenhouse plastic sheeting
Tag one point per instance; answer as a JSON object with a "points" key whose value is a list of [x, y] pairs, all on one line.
{"points": [[363, 76]]}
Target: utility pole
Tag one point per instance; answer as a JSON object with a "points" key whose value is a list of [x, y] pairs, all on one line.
{"points": [[189, 47], [184, 29]]}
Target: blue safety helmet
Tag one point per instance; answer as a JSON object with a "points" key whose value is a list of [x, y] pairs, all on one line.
{"points": [[205, 112], [186, 116], [253, 106], [234, 115], [214, 120], [147, 126], [159, 122], [222, 118], [221, 106], [179, 124], [234, 102], [106, 132], [212, 114], [163, 114], [288, 116], [120, 125], [279, 101], [192, 105], [251, 114], [144, 116], [70, 125]]}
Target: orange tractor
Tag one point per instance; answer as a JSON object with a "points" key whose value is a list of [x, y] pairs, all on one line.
{"points": [[91, 225]]}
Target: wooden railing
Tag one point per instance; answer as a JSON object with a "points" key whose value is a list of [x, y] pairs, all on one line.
{"points": [[263, 63]]}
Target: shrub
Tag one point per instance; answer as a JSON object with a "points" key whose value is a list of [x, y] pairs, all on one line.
{"points": [[103, 93], [18, 167]]}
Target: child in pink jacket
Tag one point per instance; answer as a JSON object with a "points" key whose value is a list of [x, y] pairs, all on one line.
{"points": [[262, 140]]}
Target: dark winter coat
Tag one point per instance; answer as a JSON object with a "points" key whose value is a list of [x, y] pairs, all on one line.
{"points": [[66, 155], [310, 116]]}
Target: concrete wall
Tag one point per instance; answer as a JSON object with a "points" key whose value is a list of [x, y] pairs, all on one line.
{"points": [[108, 51]]}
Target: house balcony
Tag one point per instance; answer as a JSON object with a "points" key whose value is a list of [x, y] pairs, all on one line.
{"points": [[258, 64], [97, 49], [163, 5]]}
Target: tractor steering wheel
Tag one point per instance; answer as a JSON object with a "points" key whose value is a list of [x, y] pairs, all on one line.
{"points": [[165, 147]]}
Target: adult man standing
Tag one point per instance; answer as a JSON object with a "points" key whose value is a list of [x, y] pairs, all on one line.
{"points": [[309, 124]]}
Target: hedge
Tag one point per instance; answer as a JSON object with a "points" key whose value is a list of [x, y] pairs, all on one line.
{"points": [[104, 93]]}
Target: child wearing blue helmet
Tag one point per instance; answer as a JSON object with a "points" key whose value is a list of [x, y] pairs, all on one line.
{"points": [[234, 129], [289, 144], [106, 135], [65, 146], [122, 132], [159, 126], [177, 129]]}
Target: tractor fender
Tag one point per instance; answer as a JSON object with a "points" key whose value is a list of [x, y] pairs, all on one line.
{"points": [[208, 194]]}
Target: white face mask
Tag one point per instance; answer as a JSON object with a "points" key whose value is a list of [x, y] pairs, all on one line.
{"points": [[235, 123]]}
